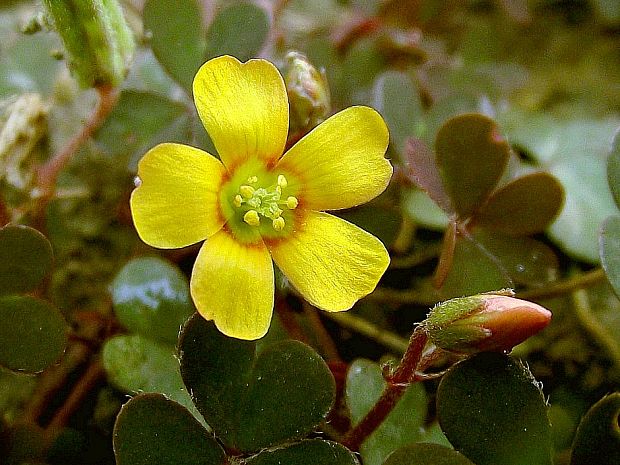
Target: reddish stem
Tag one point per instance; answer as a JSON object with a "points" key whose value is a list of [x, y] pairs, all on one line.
{"points": [[396, 387]]}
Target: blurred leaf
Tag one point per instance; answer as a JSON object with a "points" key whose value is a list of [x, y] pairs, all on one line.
{"points": [[153, 430], [473, 270], [254, 400], [397, 99], [613, 169], [524, 206], [25, 259], [21, 444], [239, 30], [33, 334], [471, 155], [575, 152], [362, 63], [177, 37], [403, 425], [526, 261], [136, 364], [598, 437], [492, 410], [381, 222], [426, 454], [151, 298], [137, 118], [610, 251], [424, 211], [422, 170], [311, 452]]}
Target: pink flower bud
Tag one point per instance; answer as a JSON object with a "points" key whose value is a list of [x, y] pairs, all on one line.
{"points": [[484, 322]]}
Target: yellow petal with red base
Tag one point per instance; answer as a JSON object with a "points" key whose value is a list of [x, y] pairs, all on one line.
{"points": [[177, 203], [244, 108], [331, 262], [232, 284], [341, 162]]}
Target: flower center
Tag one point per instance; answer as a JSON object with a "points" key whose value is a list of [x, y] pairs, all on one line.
{"points": [[264, 202]]}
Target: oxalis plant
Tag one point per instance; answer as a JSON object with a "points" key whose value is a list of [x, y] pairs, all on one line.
{"points": [[309, 233]]}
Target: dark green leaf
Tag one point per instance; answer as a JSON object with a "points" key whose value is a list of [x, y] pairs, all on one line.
{"points": [[613, 169], [151, 297], [239, 30], [379, 221], [177, 37], [598, 437], [33, 334], [426, 454], [135, 121], [153, 430], [136, 364], [609, 243], [254, 400], [311, 452], [471, 155], [25, 259], [492, 411], [404, 424], [525, 206]]}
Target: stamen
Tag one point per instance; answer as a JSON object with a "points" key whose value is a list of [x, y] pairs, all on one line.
{"points": [[292, 202], [237, 201], [246, 191], [253, 179], [278, 223], [251, 217], [282, 182]]}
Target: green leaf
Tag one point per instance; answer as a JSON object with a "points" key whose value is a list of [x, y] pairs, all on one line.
{"points": [[598, 436], [135, 121], [311, 452], [33, 334], [492, 411], [397, 99], [177, 37], [381, 222], [239, 30], [471, 155], [254, 400], [610, 251], [151, 298], [403, 425], [153, 430], [426, 454], [25, 259], [613, 169], [424, 211], [524, 206], [136, 364]]}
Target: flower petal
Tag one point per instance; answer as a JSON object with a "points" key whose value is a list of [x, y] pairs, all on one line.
{"points": [[331, 262], [233, 285], [177, 204], [341, 163], [243, 107]]}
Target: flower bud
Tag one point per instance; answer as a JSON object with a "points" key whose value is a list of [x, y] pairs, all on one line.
{"points": [[308, 93], [484, 322], [98, 40]]}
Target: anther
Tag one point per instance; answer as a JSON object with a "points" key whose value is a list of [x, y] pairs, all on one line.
{"points": [[282, 182], [253, 179], [238, 200], [278, 223], [292, 202], [251, 217], [246, 191]]}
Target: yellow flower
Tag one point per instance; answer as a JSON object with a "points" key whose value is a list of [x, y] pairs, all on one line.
{"points": [[256, 204]]}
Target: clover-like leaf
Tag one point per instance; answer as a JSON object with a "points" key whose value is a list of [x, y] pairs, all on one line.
{"points": [[254, 400], [426, 454], [310, 452], [609, 243], [25, 259], [176, 27], [404, 424], [598, 436], [239, 29], [154, 430], [33, 334], [613, 168], [471, 155], [492, 410], [151, 297], [524, 206]]}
